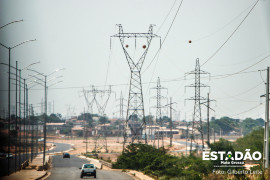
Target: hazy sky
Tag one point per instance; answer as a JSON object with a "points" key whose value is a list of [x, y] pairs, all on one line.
{"points": [[75, 35]]}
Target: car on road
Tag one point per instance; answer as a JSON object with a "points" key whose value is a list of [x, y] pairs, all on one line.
{"points": [[66, 155], [88, 170]]}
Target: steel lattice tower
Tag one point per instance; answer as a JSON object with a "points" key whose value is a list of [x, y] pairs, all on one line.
{"points": [[92, 94], [159, 107], [158, 112], [121, 114], [135, 109], [121, 106], [197, 119]]}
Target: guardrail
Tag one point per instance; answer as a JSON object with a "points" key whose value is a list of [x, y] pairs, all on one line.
{"points": [[105, 163]]}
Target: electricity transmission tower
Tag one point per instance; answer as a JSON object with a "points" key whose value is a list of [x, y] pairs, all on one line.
{"points": [[121, 113], [159, 108], [135, 109], [91, 97], [121, 106], [197, 119]]}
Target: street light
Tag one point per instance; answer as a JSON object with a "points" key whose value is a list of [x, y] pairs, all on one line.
{"points": [[46, 98], [16, 68]]}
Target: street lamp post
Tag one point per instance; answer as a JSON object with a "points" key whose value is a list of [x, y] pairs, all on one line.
{"points": [[9, 66], [16, 115], [45, 106]]}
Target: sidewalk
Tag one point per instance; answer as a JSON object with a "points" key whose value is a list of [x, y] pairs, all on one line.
{"points": [[33, 171], [26, 175]]}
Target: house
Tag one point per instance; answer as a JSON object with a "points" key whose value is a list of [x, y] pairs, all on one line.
{"points": [[77, 131], [53, 127]]}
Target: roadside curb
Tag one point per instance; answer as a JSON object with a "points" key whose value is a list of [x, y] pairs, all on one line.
{"points": [[44, 175]]}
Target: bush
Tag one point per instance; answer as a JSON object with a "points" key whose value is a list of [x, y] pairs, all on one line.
{"points": [[156, 162]]}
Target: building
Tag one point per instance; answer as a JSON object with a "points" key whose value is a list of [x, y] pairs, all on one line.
{"points": [[77, 131]]}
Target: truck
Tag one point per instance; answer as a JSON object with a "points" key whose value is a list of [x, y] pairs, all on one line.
{"points": [[88, 170]]}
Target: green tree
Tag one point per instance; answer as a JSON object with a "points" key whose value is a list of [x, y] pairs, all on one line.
{"points": [[55, 118], [88, 117], [103, 120], [226, 124], [223, 145], [252, 141], [250, 124]]}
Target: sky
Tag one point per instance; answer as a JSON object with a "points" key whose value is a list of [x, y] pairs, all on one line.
{"points": [[231, 38]]}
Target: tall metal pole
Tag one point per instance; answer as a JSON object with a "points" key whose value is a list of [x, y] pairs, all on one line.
{"points": [[266, 127], [9, 49], [32, 130], [45, 114], [171, 122], [208, 124], [186, 135], [24, 118], [37, 144], [27, 125], [20, 115], [16, 116]]}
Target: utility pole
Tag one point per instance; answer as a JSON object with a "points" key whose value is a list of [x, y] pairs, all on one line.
{"points": [[85, 131], [135, 100], [208, 124], [171, 122], [214, 135], [45, 121], [170, 106], [187, 133], [197, 120], [266, 125], [208, 116]]}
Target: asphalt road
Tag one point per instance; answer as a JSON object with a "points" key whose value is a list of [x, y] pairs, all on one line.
{"points": [[60, 147], [64, 169]]}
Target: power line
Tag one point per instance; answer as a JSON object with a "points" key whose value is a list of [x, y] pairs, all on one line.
{"points": [[165, 36], [216, 31], [241, 71], [231, 34], [246, 110], [125, 84], [242, 92], [166, 16]]}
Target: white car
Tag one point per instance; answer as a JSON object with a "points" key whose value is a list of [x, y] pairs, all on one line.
{"points": [[88, 170]]}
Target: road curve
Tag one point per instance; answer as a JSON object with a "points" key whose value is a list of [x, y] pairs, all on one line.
{"points": [[63, 169]]}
